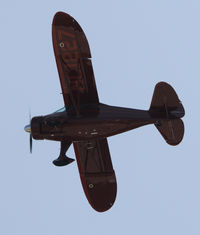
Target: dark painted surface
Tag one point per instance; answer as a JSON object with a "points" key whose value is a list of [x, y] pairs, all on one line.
{"points": [[105, 122], [72, 55], [87, 123], [96, 172]]}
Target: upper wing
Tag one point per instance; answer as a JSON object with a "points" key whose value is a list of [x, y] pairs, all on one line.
{"points": [[96, 172], [74, 65]]}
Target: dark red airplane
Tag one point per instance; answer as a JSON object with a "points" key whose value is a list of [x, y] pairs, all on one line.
{"points": [[87, 123]]}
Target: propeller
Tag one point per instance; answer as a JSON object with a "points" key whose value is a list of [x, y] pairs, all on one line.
{"points": [[28, 129], [31, 142], [30, 137]]}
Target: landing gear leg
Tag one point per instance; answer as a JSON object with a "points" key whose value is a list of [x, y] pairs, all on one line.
{"points": [[63, 160]]}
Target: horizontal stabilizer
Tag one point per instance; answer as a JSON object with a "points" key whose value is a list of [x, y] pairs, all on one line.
{"points": [[167, 108], [166, 101], [171, 130]]}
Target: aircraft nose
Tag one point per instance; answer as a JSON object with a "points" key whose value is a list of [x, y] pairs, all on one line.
{"points": [[27, 128]]}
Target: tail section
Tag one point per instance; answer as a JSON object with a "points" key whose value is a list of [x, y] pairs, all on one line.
{"points": [[167, 106], [172, 131]]}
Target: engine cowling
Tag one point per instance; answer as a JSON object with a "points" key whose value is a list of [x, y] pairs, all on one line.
{"points": [[36, 127]]}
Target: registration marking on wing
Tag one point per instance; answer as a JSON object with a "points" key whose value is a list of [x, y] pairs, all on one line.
{"points": [[72, 60]]}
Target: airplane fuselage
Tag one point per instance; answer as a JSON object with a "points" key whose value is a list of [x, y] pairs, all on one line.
{"points": [[93, 122]]}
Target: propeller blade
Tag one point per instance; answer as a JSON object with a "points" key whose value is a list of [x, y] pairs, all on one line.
{"points": [[31, 143], [29, 112], [30, 138]]}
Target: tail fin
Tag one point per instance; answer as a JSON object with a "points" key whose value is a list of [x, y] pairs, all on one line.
{"points": [[166, 102]]}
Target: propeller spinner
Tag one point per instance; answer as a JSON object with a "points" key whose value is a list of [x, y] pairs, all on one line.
{"points": [[27, 128]]}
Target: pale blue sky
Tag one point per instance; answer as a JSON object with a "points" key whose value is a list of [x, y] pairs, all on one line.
{"points": [[134, 45]]}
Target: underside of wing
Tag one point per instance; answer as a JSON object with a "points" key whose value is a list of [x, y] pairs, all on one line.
{"points": [[96, 173], [74, 65]]}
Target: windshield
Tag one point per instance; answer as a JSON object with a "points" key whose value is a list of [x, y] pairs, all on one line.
{"points": [[60, 110]]}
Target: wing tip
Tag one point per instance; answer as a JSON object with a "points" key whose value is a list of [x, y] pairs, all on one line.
{"points": [[66, 20], [62, 18]]}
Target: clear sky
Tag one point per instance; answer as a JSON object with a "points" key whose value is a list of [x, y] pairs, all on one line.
{"points": [[134, 45]]}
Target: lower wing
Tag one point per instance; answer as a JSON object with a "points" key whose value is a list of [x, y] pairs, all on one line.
{"points": [[96, 173]]}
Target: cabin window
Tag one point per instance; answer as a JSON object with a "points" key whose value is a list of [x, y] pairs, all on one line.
{"points": [[60, 110]]}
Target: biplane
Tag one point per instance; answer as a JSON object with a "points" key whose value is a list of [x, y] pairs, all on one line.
{"points": [[86, 123]]}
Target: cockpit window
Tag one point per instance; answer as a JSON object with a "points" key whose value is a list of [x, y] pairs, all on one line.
{"points": [[60, 110]]}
